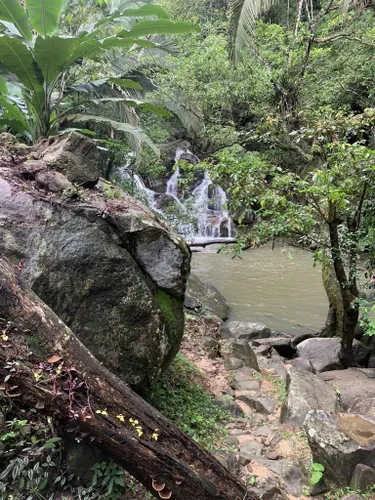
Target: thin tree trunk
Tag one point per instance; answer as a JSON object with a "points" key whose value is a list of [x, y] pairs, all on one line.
{"points": [[54, 371], [350, 308]]}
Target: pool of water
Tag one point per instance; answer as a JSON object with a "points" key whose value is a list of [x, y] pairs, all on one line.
{"points": [[279, 287]]}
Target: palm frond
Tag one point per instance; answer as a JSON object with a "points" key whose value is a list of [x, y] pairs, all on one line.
{"points": [[190, 116], [242, 20], [124, 113], [122, 127]]}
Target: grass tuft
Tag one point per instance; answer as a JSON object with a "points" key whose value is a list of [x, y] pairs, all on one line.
{"points": [[181, 397]]}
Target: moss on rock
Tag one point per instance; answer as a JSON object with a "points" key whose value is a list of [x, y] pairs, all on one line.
{"points": [[171, 310]]}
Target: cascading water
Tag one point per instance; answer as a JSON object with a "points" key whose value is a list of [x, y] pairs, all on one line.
{"points": [[213, 217], [150, 194], [172, 185], [209, 203]]}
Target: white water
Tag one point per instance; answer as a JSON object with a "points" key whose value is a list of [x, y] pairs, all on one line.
{"points": [[172, 185], [140, 185], [212, 214], [209, 203]]}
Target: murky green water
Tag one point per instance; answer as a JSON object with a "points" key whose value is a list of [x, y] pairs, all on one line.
{"points": [[277, 287]]}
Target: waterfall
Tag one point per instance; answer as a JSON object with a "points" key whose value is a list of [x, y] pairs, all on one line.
{"points": [[172, 185], [209, 203], [212, 214], [150, 194]]}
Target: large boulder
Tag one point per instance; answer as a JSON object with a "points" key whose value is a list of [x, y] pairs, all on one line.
{"points": [[323, 354], [355, 388], [107, 267], [305, 392], [245, 331], [339, 444], [203, 297], [73, 155]]}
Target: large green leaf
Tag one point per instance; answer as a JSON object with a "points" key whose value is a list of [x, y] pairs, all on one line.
{"points": [[54, 54], [147, 11], [18, 60], [44, 15], [242, 20], [12, 11], [10, 110], [143, 11], [123, 127], [162, 27], [96, 86], [12, 116], [123, 43], [15, 125], [87, 48]]}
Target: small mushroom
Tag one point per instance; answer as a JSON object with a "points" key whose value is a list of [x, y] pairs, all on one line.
{"points": [[158, 486], [165, 494]]}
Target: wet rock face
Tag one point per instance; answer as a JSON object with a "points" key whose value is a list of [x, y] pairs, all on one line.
{"points": [[162, 259], [73, 155], [243, 350], [89, 261], [355, 388], [363, 477]]}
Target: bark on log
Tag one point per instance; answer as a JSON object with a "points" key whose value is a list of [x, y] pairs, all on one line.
{"points": [[72, 386], [203, 242]]}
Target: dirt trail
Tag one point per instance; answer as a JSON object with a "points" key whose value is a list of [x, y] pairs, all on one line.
{"points": [[272, 457]]}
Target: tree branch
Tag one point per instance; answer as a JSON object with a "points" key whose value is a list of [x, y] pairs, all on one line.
{"points": [[338, 36]]}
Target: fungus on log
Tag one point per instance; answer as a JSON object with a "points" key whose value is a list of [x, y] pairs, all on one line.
{"points": [[75, 389]]}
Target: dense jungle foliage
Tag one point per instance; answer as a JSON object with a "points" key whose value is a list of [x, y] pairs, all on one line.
{"points": [[275, 98]]}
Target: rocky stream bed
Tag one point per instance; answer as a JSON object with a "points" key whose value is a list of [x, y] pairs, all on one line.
{"points": [[75, 240], [291, 403]]}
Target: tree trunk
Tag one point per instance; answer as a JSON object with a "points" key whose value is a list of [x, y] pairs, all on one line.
{"points": [[54, 371], [350, 311], [330, 327], [334, 321]]}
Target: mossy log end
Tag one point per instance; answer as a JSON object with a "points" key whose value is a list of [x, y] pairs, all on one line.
{"points": [[64, 380]]}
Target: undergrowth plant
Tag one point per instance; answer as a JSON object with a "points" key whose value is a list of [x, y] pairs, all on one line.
{"points": [[27, 459], [317, 471], [181, 397], [33, 466], [37, 60]]}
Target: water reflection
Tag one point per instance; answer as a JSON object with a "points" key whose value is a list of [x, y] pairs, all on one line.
{"points": [[277, 287]]}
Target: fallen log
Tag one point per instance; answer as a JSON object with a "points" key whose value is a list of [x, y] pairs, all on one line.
{"points": [[203, 242], [52, 370]]}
